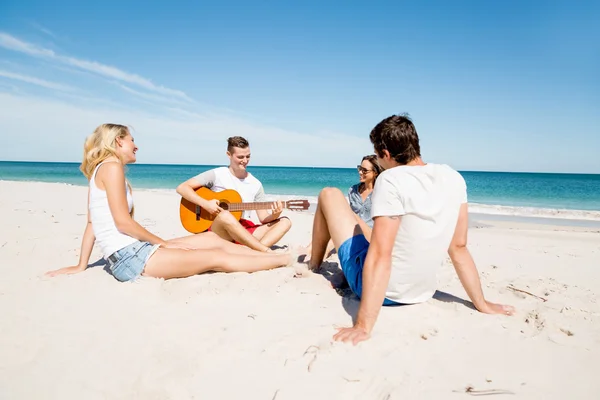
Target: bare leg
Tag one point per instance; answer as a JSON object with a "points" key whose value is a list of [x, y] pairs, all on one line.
{"points": [[328, 251], [365, 228], [272, 232], [212, 241], [335, 220], [229, 228], [176, 263]]}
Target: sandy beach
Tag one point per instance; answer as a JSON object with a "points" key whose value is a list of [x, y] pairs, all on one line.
{"points": [[268, 335]]}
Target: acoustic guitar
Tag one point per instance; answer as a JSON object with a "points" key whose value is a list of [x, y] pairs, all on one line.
{"points": [[195, 219]]}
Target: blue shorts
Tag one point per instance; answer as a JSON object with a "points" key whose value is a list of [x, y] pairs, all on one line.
{"points": [[352, 254], [128, 263]]}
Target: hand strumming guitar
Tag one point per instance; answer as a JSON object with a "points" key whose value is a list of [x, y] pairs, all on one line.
{"points": [[212, 206]]}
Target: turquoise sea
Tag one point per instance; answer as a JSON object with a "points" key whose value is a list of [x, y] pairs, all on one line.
{"points": [[539, 190]]}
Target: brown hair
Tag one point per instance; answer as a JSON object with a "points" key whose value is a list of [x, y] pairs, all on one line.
{"points": [[398, 135], [372, 158], [236, 141]]}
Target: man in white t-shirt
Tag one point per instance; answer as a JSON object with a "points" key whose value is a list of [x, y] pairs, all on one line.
{"points": [[261, 236], [420, 216]]}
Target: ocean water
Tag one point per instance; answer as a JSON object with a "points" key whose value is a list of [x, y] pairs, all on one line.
{"points": [[492, 190]]}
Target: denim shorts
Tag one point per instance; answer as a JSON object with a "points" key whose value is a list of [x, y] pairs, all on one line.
{"points": [[352, 254], [128, 263]]}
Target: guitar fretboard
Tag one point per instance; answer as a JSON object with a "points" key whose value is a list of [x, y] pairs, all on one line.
{"points": [[264, 205]]}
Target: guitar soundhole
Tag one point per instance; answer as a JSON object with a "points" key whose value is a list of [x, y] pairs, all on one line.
{"points": [[224, 206]]}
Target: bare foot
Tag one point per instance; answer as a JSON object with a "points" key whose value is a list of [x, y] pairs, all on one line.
{"points": [[296, 254], [305, 259], [493, 308]]}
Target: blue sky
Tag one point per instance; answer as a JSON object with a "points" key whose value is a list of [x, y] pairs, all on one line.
{"points": [[509, 86]]}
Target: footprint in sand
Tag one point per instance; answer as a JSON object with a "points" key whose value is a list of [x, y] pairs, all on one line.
{"points": [[536, 322], [306, 361]]}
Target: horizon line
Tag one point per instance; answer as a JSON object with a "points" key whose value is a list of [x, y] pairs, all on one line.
{"points": [[299, 166]]}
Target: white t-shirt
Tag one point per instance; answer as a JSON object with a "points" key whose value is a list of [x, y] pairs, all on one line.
{"points": [[219, 179], [428, 198]]}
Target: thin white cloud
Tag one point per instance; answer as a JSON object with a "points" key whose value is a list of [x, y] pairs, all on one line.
{"points": [[35, 81], [12, 43], [115, 73], [43, 29], [150, 96]]}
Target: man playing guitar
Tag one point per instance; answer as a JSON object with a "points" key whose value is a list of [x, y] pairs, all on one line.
{"points": [[272, 226]]}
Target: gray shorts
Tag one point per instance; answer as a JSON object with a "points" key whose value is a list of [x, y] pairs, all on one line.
{"points": [[128, 263]]}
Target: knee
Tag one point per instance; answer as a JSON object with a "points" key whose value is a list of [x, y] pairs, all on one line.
{"points": [[286, 223], [329, 192], [225, 218]]}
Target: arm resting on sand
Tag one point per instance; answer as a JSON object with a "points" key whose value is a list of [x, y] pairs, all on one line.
{"points": [[466, 269], [87, 245], [375, 279], [377, 269]]}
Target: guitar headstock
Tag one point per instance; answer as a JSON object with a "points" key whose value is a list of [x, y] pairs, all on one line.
{"points": [[297, 205]]}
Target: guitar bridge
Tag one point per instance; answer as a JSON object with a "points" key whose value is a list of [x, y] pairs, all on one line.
{"points": [[198, 209]]}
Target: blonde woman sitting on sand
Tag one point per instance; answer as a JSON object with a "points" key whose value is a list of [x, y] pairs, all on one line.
{"points": [[129, 248]]}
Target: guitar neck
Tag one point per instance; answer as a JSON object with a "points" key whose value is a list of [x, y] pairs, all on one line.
{"points": [[262, 205]]}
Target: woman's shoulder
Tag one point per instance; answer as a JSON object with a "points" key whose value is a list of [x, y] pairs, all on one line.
{"points": [[354, 191], [110, 168], [111, 165]]}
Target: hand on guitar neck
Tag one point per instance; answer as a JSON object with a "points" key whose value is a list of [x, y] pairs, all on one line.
{"points": [[197, 219]]}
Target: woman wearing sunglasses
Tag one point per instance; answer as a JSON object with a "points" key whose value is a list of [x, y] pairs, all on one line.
{"points": [[359, 195]]}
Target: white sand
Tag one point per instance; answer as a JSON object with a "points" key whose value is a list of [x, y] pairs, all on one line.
{"points": [[268, 335]]}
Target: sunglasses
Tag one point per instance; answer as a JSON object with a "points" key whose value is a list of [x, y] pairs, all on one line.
{"points": [[362, 170]]}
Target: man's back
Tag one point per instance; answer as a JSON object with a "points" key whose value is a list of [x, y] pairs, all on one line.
{"points": [[428, 198]]}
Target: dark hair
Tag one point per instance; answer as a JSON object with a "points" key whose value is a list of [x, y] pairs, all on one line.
{"points": [[398, 135], [236, 141], [372, 158]]}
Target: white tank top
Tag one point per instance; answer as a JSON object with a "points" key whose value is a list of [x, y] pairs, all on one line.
{"points": [[107, 236]]}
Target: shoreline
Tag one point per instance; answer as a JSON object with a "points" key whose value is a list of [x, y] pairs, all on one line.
{"points": [[537, 215]]}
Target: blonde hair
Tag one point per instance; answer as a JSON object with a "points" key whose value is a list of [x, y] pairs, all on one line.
{"points": [[101, 145]]}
